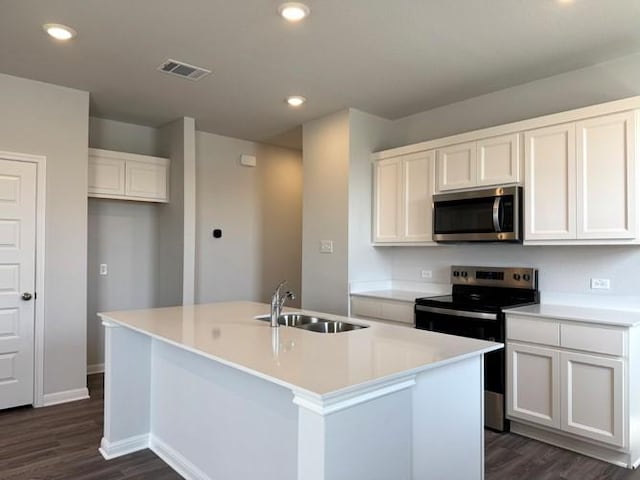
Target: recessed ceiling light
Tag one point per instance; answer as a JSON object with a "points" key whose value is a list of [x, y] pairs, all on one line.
{"points": [[59, 32], [293, 11], [296, 100]]}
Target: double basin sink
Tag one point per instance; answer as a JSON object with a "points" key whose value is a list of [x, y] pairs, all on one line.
{"points": [[313, 324]]}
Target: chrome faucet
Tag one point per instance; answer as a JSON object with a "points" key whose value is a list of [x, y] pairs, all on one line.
{"points": [[277, 301]]}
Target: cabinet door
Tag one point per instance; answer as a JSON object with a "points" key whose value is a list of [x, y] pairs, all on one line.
{"points": [[387, 200], [146, 180], [499, 160], [592, 397], [550, 193], [456, 167], [106, 175], [418, 184], [533, 388], [606, 189]]}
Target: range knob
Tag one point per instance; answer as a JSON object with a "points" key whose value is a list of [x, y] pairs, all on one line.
{"points": [[464, 274], [526, 277], [456, 273], [516, 276]]}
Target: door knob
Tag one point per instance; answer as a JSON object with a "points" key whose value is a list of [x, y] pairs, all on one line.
{"points": [[27, 296]]}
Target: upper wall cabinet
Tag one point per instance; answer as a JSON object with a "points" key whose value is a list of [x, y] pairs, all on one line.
{"points": [[128, 176], [403, 187], [581, 181], [488, 161]]}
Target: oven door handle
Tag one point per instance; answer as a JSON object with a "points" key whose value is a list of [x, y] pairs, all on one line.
{"points": [[457, 313], [496, 215]]}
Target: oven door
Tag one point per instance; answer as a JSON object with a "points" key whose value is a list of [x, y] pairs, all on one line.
{"points": [[483, 326], [482, 215]]}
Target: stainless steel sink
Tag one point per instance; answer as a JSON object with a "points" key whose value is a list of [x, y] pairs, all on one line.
{"points": [[313, 324]]}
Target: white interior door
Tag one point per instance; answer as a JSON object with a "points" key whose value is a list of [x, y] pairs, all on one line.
{"points": [[17, 281]]}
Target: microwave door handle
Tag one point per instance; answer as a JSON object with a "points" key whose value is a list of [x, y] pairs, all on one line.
{"points": [[496, 214]]}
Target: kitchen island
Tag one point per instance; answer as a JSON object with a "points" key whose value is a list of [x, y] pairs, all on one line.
{"points": [[219, 394]]}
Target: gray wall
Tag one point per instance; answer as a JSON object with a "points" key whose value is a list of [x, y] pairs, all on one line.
{"points": [[608, 81], [326, 213], [367, 134], [563, 269], [53, 121], [259, 210], [122, 234]]}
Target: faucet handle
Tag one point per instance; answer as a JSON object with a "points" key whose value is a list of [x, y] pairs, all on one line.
{"points": [[290, 295]]}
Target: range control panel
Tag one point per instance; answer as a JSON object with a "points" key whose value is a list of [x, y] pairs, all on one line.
{"points": [[512, 277]]}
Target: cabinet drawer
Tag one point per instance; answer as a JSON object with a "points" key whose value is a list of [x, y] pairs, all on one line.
{"points": [[398, 311], [384, 309], [366, 307], [533, 330], [593, 339]]}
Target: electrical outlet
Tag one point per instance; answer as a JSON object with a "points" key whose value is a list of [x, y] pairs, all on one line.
{"points": [[326, 246], [426, 273], [600, 283], [103, 269]]}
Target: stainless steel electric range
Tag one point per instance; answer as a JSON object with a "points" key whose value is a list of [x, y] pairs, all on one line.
{"points": [[475, 309]]}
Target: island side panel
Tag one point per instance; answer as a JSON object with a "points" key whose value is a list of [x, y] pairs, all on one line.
{"points": [[448, 422], [126, 391], [369, 440], [211, 421]]}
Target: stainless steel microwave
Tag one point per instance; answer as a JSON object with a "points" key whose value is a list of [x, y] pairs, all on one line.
{"points": [[487, 215]]}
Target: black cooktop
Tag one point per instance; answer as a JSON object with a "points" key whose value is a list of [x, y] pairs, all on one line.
{"points": [[481, 299]]}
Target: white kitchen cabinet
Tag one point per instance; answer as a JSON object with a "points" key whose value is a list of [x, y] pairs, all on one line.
{"points": [[533, 376], [456, 167], [581, 180], [593, 397], [488, 161], [573, 379], [128, 176], [606, 206], [384, 309], [403, 187]]}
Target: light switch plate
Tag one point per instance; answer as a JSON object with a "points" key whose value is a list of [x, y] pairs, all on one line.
{"points": [[103, 269], [326, 246], [426, 273]]}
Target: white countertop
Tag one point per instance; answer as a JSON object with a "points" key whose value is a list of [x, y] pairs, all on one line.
{"points": [[402, 291], [604, 316], [318, 363]]}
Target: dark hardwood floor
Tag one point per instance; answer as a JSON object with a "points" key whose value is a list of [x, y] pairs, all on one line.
{"points": [[61, 443]]}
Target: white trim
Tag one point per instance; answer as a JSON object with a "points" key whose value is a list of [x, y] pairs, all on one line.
{"points": [[176, 460], [189, 221], [630, 103], [41, 211], [335, 403], [66, 396], [123, 447], [95, 368], [99, 152]]}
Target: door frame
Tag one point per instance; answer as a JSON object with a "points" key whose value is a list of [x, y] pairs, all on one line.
{"points": [[39, 321]]}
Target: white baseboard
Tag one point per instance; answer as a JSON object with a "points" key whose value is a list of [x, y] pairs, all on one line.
{"points": [[123, 447], [176, 461], [95, 368], [611, 455], [66, 396]]}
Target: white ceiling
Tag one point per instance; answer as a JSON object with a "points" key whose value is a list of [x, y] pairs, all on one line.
{"points": [[391, 58]]}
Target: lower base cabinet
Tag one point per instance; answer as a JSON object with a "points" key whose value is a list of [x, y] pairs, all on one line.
{"points": [[576, 393], [584, 396]]}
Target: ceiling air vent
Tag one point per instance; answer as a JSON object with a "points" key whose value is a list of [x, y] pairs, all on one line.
{"points": [[184, 70]]}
